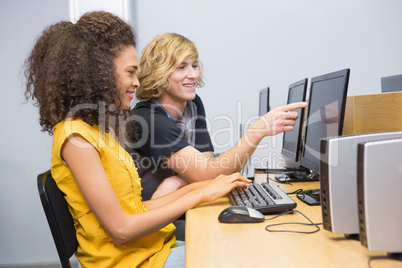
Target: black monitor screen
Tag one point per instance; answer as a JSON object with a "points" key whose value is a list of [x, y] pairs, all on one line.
{"points": [[264, 101], [293, 139], [325, 115]]}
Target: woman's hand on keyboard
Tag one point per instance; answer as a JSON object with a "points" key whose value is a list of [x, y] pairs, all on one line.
{"points": [[222, 185]]}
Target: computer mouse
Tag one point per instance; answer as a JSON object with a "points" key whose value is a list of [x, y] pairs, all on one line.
{"points": [[239, 214]]}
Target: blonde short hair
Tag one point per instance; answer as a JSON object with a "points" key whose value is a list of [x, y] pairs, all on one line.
{"points": [[159, 59]]}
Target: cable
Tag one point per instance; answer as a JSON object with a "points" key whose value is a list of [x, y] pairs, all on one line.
{"points": [[295, 192], [289, 223], [277, 181], [269, 179]]}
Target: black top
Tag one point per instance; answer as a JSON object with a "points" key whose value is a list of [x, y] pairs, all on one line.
{"points": [[159, 134]]}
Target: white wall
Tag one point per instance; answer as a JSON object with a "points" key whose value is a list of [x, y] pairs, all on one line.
{"points": [[244, 45], [24, 149]]}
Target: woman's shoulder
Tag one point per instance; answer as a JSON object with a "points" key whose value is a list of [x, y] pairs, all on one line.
{"points": [[66, 130], [69, 126]]}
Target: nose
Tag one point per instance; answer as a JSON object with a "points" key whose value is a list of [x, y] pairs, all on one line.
{"points": [[136, 82], [193, 73]]}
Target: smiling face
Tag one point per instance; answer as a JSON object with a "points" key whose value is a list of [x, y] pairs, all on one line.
{"points": [[183, 82], [126, 72]]}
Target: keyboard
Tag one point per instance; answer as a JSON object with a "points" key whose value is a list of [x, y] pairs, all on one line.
{"points": [[265, 197]]}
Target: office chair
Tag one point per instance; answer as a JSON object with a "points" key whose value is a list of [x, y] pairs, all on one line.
{"points": [[59, 218]]}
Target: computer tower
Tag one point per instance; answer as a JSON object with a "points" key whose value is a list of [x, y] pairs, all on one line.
{"points": [[379, 195], [338, 180]]}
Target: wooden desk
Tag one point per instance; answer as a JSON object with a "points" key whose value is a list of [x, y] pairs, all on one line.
{"points": [[212, 244]]}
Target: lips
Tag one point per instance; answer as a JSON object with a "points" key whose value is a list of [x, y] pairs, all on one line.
{"points": [[189, 85]]}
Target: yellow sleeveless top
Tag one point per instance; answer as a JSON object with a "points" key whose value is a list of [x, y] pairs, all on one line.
{"points": [[96, 248]]}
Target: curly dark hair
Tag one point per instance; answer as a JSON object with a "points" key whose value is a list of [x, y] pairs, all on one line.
{"points": [[71, 73]]}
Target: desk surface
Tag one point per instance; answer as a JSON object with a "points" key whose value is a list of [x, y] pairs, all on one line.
{"points": [[213, 244]]}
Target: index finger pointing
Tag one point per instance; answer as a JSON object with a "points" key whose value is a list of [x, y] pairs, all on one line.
{"points": [[293, 106]]}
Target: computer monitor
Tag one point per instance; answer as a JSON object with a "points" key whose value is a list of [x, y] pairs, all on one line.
{"points": [[325, 114], [391, 83], [264, 101], [324, 119], [292, 140]]}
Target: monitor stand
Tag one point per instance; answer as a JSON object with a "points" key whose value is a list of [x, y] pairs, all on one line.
{"points": [[299, 174]]}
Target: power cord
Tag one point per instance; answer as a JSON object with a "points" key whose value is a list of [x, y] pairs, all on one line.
{"points": [[291, 223], [269, 179], [295, 192]]}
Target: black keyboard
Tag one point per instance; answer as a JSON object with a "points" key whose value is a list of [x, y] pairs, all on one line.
{"points": [[265, 197]]}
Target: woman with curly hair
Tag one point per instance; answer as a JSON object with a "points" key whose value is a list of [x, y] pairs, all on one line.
{"points": [[172, 132], [82, 77]]}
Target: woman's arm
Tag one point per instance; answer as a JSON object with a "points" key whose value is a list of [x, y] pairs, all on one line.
{"points": [[173, 183], [192, 164], [169, 185], [173, 195], [94, 184]]}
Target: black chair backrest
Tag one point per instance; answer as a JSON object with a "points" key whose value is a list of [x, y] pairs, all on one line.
{"points": [[59, 217]]}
